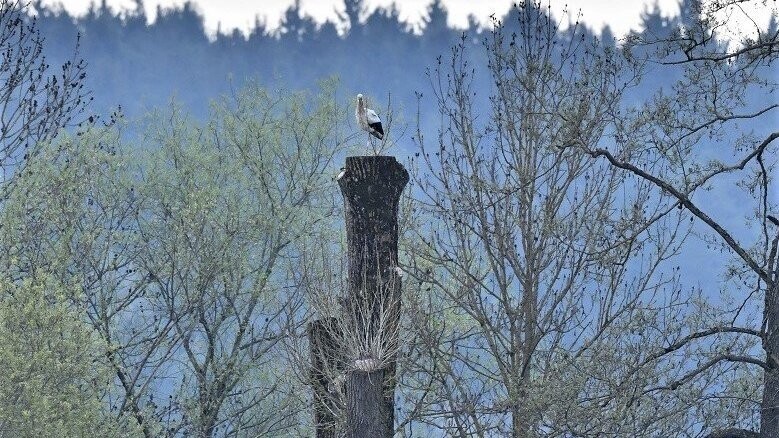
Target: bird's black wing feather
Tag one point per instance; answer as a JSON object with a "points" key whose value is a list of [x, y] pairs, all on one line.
{"points": [[377, 127]]}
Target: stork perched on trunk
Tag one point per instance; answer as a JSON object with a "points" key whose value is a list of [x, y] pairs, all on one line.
{"points": [[368, 120]]}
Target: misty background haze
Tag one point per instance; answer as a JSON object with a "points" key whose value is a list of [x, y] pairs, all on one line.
{"points": [[137, 66]]}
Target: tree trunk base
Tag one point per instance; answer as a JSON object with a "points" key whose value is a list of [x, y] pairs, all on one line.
{"points": [[368, 413]]}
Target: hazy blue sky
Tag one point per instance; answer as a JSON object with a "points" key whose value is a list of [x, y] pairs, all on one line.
{"points": [[621, 15]]}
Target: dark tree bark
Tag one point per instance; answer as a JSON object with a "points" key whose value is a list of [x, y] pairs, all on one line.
{"points": [[769, 415], [769, 408], [733, 433], [327, 363], [371, 187], [368, 415]]}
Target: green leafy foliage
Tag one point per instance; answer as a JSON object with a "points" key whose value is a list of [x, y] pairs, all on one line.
{"points": [[54, 376]]}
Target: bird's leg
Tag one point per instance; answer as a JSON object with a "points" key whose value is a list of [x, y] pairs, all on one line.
{"points": [[369, 145]]}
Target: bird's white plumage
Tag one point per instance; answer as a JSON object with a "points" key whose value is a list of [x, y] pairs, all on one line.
{"points": [[368, 120], [359, 113], [360, 119], [372, 116]]}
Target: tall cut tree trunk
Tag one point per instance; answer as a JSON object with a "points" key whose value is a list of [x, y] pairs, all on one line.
{"points": [[769, 408], [326, 366], [368, 415], [733, 433], [371, 187]]}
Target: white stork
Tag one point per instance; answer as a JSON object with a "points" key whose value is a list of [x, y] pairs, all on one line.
{"points": [[368, 120]]}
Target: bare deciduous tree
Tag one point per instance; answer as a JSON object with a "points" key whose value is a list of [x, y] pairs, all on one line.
{"points": [[35, 102], [179, 251], [226, 204], [545, 293], [705, 133]]}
